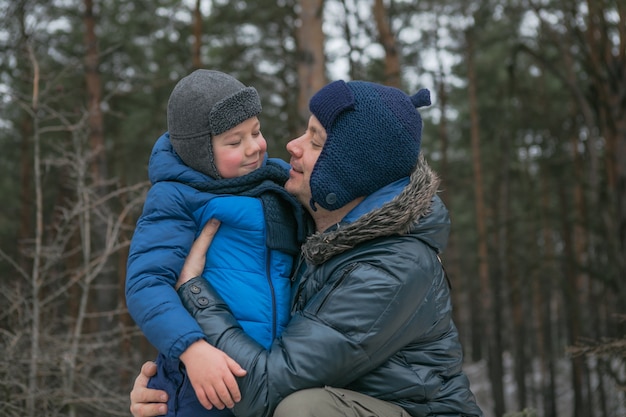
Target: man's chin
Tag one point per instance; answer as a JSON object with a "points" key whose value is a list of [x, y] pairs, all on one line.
{"points": [[291, 187], [298, 193]]}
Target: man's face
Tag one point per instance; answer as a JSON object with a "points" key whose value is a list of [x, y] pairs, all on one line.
{"points": [[304, 153]]}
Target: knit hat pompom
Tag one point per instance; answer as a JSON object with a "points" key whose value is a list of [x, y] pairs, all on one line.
{"points": [[373, 138], [203, 104]]}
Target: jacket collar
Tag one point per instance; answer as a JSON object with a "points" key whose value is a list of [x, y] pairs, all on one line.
{"points": [[396, 209]]}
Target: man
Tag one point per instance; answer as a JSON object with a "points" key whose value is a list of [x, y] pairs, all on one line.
{"points": [[371, 331]]}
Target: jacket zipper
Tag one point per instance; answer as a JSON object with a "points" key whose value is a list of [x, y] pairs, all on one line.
{"points": [[268, 270], [295, 301], [344, 274]]}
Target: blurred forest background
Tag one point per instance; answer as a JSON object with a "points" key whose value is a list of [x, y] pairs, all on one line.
{"points": [[527, 129]]}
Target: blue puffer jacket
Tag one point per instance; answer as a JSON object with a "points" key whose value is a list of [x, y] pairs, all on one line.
{"points": [[252, 278]]}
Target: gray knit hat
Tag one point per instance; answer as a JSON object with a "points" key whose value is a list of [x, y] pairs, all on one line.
{"points": [[203, 104]]}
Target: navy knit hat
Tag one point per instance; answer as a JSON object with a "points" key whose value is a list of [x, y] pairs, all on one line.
{"points": [[373, 137], [203, 104]]}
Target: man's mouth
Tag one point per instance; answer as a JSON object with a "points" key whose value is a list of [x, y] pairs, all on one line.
{"points": [[295, 168]]}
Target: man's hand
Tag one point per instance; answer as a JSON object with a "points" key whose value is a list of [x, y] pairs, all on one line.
{"points": [[194, 263], [146, 402], [212, 374]]}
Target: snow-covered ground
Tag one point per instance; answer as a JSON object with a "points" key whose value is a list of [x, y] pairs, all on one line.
{"points": [[477, 374]]}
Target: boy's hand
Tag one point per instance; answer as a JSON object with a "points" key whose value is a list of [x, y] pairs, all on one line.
{"points": [[212, 374]]}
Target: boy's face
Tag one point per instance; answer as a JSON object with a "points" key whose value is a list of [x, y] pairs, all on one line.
{"points": [[239, 150]]}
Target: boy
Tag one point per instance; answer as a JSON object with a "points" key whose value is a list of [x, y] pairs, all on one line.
{"points": [[211, 163]]}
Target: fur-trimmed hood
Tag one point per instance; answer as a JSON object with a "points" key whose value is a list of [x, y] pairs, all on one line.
{"points": [[396, 209]]}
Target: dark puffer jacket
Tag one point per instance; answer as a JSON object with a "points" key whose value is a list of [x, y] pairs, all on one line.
{"points": [[372, 312]]}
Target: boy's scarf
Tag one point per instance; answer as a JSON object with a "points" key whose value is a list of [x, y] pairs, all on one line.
{"points": [[284, 216]]}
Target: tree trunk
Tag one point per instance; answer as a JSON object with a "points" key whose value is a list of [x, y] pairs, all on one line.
{"points": [[26, 191], [388, 41], [94, 96], [480, 329], [607, 68], [26, 226], [311, 59], [542, 289], [35, 278], [347, 31], [197, 36], [571, 306], [494, 355], [450, 258], [511, 273], [105, 294]]}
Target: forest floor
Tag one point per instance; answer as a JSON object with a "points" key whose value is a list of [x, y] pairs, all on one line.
{"points": [[477, 374]]}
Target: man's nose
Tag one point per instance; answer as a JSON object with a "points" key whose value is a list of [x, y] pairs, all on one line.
{"points": [[293, 146]]}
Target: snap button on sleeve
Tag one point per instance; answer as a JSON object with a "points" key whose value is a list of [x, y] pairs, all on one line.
{"points": [[203, 301], [195, 289]]}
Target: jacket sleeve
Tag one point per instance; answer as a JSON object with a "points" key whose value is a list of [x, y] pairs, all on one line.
{"points": [[352, 325], [161, 241]]}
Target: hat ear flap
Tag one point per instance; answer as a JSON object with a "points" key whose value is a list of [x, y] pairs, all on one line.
{"points": [[331, 101], [421, 98]]}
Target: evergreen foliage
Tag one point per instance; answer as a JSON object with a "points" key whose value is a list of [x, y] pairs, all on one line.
{"points": [[550, 82]]}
